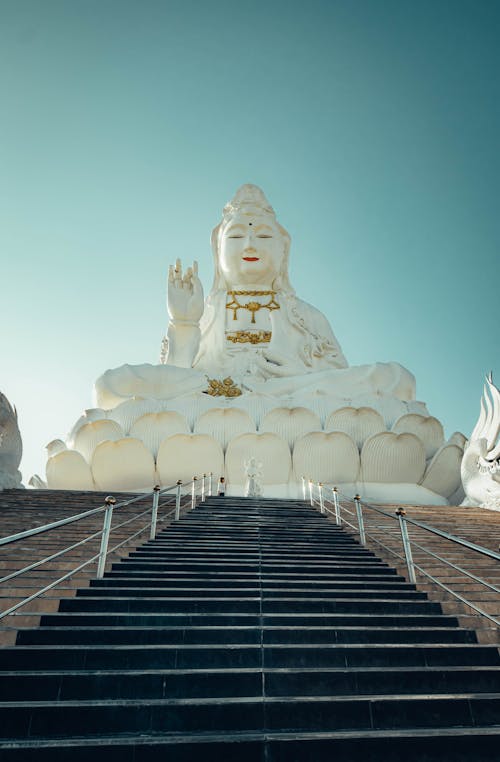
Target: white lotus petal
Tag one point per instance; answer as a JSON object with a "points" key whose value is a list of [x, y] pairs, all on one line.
{"points": [[127, 413], [428, 429], [92, 434], [321, 404], [390, 408], [458, 439], [443, 472], [359, 423], [256, 405], [153, 428], [68, 470], [392, 458], [193, 405], [224, 424], [329, 457], [415, 406], [125, 465], [268, 449], [54, 447], [290, 423], [183, 456]]}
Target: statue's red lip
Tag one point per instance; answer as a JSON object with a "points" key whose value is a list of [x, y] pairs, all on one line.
{"points": [[251, 259]]}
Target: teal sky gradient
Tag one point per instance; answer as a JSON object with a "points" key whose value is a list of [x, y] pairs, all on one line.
{"points": [[372, 125]]}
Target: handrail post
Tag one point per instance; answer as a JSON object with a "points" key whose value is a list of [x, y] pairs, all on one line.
{"points": [[178, 500], [203, 488], [321, 502], [336, 504], [361, 523], [210, 484], [304, 487], [193, 493], [311, 500], [106, 528], [401, 513], [154, 512]]}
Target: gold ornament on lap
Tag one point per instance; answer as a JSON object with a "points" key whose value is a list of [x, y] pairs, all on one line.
{"points": [[253, 307], [224, 388], [249, 337]]}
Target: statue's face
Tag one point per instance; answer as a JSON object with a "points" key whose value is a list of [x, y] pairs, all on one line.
{"points": [[251, 250]]}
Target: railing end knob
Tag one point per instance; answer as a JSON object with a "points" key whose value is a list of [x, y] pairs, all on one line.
{"points": [[110, 500], [357, 497], [179, 481], [400, 511], [156, 488], [335, 489], [195, 478]]}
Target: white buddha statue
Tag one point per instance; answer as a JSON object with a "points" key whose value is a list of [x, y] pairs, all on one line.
{"points": [[252, 327], [255, 374]]}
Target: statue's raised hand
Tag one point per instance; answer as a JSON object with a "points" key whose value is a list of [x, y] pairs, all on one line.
{"points": [[185, 294]]}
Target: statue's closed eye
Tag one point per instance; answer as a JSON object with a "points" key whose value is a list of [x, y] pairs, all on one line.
{"points": [[264, 236], [235, 236]]}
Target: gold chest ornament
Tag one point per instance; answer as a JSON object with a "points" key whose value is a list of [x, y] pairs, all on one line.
{"points": [[252, 306]]}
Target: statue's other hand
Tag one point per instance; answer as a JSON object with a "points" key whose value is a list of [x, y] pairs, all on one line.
{"points": [[278, 364], [185, 293]]}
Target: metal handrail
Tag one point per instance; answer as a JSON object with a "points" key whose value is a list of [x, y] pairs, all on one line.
{"points": [[401, 517], [104, 533], [434, 530]]}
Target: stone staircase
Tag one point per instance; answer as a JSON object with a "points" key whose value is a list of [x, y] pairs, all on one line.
{"points": [[250, 630], [475, 525]]}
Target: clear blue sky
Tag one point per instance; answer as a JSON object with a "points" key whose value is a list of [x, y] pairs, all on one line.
{"points": [[372, 125]]}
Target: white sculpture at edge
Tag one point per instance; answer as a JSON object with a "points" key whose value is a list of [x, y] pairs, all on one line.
{"points": [[253, 471], [11, 446], [481, 460], [254, 369]]}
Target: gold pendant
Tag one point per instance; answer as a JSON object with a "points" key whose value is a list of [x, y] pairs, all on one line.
{"points": [[253, 307]]}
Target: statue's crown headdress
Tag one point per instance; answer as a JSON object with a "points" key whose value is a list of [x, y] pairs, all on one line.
{"points": [[248, 197]]}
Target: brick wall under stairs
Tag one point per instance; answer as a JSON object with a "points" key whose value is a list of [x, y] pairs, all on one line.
{"points": [[250, 630], [26, 509]]}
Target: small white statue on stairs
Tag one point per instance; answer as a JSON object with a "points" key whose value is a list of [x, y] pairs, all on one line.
{"points": [[254, 478]]}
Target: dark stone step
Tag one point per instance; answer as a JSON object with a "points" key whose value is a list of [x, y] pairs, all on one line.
{"points": [[212, 567], [190, 583], [156, 684], [427, 745], [233, 656], [237, 605], [315, 593], [328, 713], [154, 619], [255, 576], [243, 634]]}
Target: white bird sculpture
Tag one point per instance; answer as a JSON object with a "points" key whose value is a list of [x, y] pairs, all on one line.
{"points": [[11, 446], [481, 462]]}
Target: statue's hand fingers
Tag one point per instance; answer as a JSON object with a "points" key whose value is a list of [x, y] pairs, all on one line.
{"points": [[186, 281], [178, 273], [195, 268], [197, 287]]}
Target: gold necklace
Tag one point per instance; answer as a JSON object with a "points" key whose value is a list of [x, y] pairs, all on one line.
{"points": [[253, 307]]}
